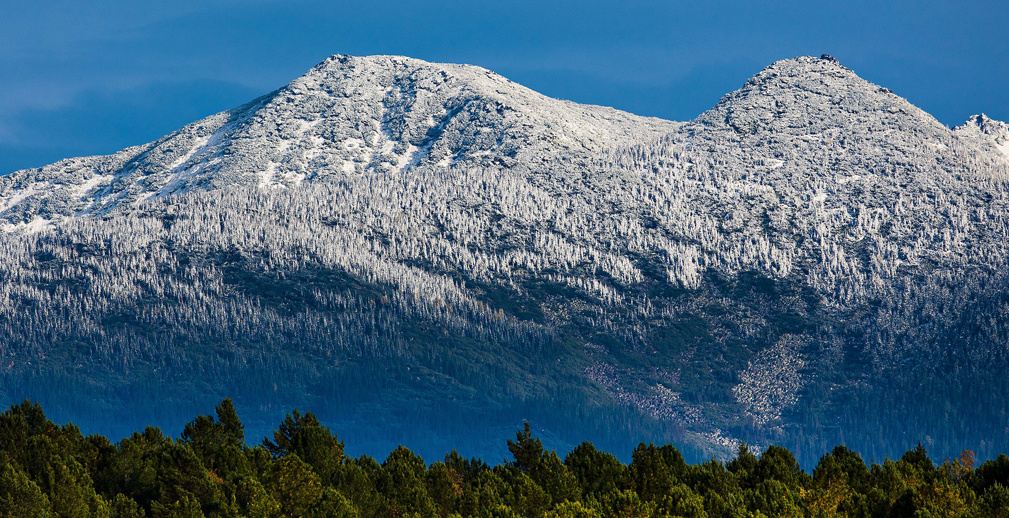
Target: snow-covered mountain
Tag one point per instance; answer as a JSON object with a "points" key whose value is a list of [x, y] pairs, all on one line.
{"points": [[346, 116], [440, 250]]}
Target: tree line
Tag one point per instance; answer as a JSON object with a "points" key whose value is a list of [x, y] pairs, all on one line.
{"points": [[48, 470]]}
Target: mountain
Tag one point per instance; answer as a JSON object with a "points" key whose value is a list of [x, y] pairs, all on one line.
{"points": [[431, 254], [383, 114]]}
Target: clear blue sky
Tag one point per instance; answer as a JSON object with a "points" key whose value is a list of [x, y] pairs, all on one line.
{"points": [[94, 77]]}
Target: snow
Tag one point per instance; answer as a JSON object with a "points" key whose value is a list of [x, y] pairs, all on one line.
{"points": [[1004, 148], [266, 176], [17, 197], [91, 183], [36, 225], [411, 158], [199, 144], [484, 179]]}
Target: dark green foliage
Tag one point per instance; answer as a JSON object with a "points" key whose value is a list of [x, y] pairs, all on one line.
{"points": [[544, 468], [444, 485], [842, 466], [597, 472], [122, 506], [655, 470], [994, 502], [52, 471], [294, 486], [20, 423], [527, 450], [918, 458], [994, 472], [682, 501], [184, 507], [19, 496], [744, 463], [777, 463], [303, 435], [403, 482], [218, 444]]}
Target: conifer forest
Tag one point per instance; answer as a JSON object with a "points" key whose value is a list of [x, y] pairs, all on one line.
{"points": [[302, 470]]}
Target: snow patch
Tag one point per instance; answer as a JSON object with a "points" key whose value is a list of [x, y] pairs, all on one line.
{"points": [[266, 176], [36, 225], [177, 183], [1004, 148], [81, 190], [199, 144], [409, 159], [17, 198]]}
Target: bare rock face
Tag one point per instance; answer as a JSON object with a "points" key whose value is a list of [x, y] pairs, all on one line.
{"points": [[812, 261]]}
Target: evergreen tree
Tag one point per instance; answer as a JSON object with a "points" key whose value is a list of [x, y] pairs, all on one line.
{"points": [[403, 482], [654, 470], [150, 475], [597, 472], [313, 443], [122, 506], [543, 467], [19, 496], [294, 486]]}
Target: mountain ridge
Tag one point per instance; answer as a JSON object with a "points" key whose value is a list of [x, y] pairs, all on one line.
{"points": [[172, 164], [196, 141], [408, 241]]}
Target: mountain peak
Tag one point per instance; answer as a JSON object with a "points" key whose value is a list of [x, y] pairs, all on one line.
{"points": [[988, 126], [387, 71], [815, 76], [805, 65], [346, 116], [390, 61], [808, 95], [987, 129]]}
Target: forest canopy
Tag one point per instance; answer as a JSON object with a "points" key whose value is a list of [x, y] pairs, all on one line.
{"points": [[47, 470]]}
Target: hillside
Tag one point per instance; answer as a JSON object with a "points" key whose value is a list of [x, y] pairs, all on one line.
{"points": [[445, 253]]}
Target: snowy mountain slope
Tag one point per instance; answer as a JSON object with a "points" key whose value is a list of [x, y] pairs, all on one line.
{"points": [[818, 150], [814, 260], [347, 116]]}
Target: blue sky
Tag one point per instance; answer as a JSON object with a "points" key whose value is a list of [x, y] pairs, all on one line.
{"points": [[94, 77]]}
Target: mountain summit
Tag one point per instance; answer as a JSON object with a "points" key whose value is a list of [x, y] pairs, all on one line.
{"points": [[348, 115], [806, 95], [431, 254]]}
